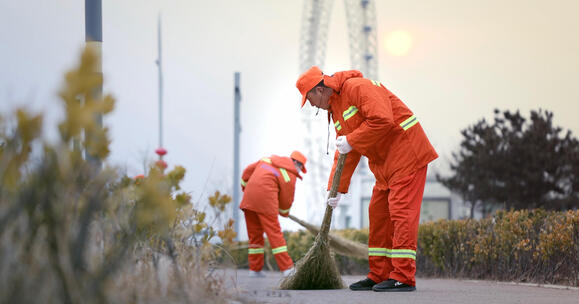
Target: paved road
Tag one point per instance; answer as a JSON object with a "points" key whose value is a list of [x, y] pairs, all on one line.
{"points": [[429, 291]]}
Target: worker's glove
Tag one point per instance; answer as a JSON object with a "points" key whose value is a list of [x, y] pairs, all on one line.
{"points": [[343, 145], [333, 201]]}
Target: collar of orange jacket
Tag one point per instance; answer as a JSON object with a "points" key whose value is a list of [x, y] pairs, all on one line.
{"points": [[286, 163], [337, 80]]}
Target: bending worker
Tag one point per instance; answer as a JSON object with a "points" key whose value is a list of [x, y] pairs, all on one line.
{"points": [[373, 122], [268, 190]]}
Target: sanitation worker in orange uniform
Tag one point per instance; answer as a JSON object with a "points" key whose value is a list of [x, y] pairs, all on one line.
{"points": [[268, 190], [373, 122]]}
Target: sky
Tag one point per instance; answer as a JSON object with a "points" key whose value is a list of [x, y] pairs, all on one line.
{"points": [[462, 59]]}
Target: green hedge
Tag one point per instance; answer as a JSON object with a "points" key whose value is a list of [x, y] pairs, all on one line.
{"points": [[525, 246]]}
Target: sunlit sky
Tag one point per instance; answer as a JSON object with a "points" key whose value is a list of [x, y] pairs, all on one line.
{"points": [[398, 42], [451, 61]]}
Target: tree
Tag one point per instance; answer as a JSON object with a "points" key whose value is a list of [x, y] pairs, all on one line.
{"points": [[516, 163]]}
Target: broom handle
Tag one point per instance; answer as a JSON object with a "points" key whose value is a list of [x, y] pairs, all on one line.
{"points": [[325, 228]]}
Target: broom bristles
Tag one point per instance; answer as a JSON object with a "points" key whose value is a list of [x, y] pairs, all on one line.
{"points": [[317, 269]]}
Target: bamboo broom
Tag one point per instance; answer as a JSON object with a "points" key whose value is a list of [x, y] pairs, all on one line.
{"points": [[317, 269]]}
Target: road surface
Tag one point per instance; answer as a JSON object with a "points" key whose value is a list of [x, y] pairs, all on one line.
{"points": [[429, 291]]}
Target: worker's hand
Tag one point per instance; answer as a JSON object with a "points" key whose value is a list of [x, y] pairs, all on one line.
{"points": [[343, 145], [333, 201]]}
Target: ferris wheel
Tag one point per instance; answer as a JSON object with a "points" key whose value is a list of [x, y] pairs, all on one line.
{"points": [[361, 22]]}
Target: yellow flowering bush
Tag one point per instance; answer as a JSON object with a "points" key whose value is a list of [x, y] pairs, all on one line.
{"points": [[73, 232]]}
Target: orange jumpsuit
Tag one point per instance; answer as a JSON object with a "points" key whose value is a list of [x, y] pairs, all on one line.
{"points": [[379, 126], [268, 190]]}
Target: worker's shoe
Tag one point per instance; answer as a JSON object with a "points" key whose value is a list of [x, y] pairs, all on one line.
{"points": [[365, 284], [393, 285], [288, 272], [256, 274]]}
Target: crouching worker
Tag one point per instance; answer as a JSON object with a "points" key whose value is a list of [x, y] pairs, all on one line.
{"points": [[268, 190]]}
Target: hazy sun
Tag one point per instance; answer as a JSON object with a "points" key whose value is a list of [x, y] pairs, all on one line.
{"points": [[398, 43]]}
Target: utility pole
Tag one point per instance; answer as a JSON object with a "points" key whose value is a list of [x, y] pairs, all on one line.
{"points": [[160, 151], [236, 132], [94, 39]]}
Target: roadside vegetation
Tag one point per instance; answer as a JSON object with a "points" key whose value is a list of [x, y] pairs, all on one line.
{"points": [[536, 246], [73, 232]]}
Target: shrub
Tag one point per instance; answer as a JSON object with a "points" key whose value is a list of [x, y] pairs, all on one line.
{"points": [[527, 246], [71, 232]]}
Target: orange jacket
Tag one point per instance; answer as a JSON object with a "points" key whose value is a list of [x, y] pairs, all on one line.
{"points": [[268, 185], [377, 125]]}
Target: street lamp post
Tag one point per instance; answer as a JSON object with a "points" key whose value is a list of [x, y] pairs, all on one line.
{"points": [[94, 40]]}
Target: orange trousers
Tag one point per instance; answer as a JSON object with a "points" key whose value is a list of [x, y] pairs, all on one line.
{"points": [[394, 218], [257, 224]]}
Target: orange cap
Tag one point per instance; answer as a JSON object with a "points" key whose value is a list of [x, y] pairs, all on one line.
{"points": [[297, 155], [308, 81]]}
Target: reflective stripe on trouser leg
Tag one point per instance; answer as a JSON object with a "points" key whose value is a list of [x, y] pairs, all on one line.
{"points": [[380, 237], [272, 229], [255, 257], [392, 253], [404, 200], [255, 250], [256, 241], [279, 249]]}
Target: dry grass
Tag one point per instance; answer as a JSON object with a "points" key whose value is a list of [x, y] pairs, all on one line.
{"points": [[71, 232]]}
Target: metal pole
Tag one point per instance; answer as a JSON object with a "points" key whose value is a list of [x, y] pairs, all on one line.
{"points": [[160, 150], [160, 66], [94, 39], [236, 132], [93, 20]]}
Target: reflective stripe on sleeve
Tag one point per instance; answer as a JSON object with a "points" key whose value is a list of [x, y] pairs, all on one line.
{"points": [[351, 111], [286, 177], [338, 125], [279, 249], [284, 211], [408, 123], [266, 159], [243, 183]]}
